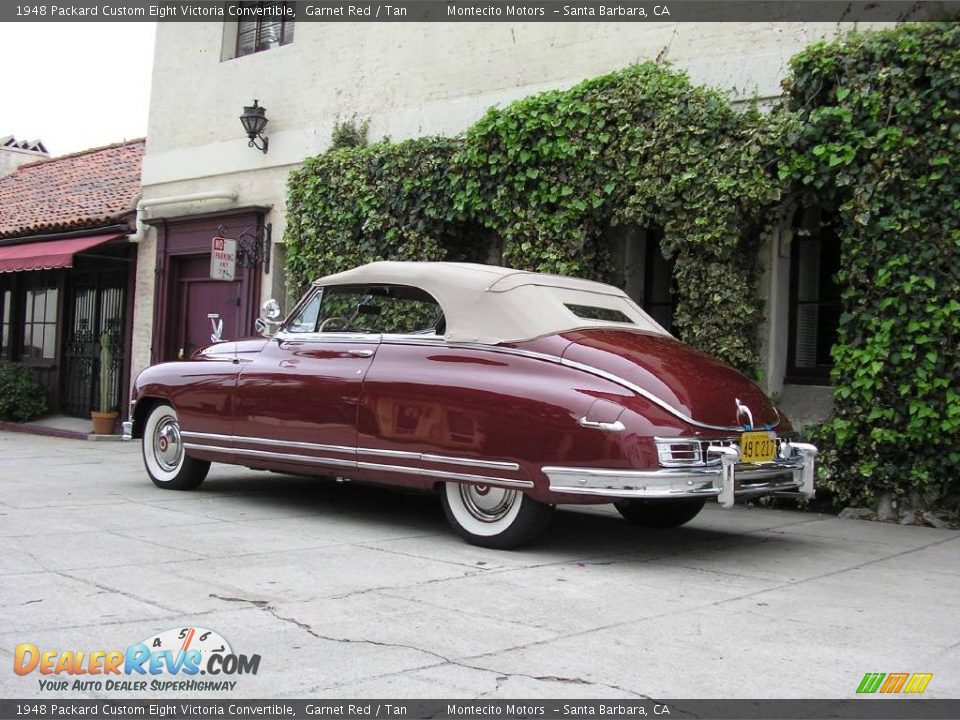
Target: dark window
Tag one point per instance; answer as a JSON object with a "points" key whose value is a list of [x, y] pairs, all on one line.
{"points": [[643, 273], [814, 303], [40, 308], [369, 309], [266, 31], [659, 291], [591, 312], [6, 312]]}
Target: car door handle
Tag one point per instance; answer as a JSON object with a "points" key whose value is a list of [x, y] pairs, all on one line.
{"points": [[360, 353], [615, 426]]}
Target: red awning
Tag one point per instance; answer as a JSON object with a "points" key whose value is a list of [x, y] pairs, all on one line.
{"points": [[49, 254]]}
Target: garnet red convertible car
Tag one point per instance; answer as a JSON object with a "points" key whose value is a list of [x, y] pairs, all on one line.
{"points": [[508, 392]]}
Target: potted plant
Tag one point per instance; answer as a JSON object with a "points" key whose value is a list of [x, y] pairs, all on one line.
{"points": [[105, 419]]}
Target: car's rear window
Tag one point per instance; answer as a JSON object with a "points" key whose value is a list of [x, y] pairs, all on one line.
{"points": [[592, 312]]}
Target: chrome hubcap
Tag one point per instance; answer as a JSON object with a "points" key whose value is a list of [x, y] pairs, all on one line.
{"points": [[167, 446], [486, 503]]}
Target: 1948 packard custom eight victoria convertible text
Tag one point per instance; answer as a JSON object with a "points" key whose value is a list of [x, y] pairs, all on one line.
{"points": [[509, 392]]}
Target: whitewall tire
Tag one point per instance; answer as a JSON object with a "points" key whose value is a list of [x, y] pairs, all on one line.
{"points": [[164, 455], [493, 517]]}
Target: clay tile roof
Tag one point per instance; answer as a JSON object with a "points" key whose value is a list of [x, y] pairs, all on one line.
{"points": [[91, 188]]}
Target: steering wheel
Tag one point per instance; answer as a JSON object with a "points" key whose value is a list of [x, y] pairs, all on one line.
{"points": [[323, 325]]}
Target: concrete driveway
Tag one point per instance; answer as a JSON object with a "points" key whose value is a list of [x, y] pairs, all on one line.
{"points": [[349, 591]]}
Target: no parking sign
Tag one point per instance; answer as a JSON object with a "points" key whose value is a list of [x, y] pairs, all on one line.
{"points": [[223, 259]]}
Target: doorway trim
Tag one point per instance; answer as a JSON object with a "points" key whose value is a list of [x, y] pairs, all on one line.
{"points": [[190, 235]]}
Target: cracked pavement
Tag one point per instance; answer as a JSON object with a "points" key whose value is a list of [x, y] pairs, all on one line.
{"points": [[361, 592]]}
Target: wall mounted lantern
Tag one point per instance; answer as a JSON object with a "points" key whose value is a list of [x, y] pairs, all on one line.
{"points": [[254, 120]]}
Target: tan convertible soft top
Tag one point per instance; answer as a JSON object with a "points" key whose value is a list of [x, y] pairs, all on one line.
{"points": [[491, 304]]}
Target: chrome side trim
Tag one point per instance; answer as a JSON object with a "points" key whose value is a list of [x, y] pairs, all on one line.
{"points": [[271, 443], [493, 464], [376, 452], [333, 337], [336, 462], [444, 474], [309, 459], [651, 397], [390, 453]]}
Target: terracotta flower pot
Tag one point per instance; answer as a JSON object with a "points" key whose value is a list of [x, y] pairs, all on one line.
{"points": [[104, 422]]}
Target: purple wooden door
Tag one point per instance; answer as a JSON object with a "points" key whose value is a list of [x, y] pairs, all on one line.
{"points": [[185, 292], [198, 296]]}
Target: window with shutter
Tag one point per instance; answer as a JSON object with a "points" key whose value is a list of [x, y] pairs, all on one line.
{"points": [[262, 34], [814, 300]]}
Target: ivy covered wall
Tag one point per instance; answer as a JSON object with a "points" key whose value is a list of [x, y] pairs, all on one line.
{"points": [[871, 131], [537, 183], [354, 205]]}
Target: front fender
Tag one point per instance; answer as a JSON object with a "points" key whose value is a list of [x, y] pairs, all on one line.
{"points": [[201, 391]]}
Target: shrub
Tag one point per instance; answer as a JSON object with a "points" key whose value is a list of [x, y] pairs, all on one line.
{"points": [[22, 397]]}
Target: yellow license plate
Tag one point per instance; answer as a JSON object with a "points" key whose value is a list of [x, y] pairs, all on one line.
{"points": [[758, 447]]}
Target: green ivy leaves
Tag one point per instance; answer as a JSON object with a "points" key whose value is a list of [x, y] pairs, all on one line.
{"points": [[352, 206], [871, 117], [547, 176]]}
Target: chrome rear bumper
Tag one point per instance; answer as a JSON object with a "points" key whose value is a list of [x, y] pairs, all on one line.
{"points": [[729, 481]]}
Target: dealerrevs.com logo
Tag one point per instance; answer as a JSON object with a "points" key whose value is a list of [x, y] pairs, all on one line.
{"points": [[170, 660]]}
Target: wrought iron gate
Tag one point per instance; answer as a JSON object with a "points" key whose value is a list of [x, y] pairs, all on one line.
{"points": [[96, 317]]}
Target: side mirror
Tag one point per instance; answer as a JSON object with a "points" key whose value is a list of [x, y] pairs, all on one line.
{"points": [[269, 321], [270, 310]]}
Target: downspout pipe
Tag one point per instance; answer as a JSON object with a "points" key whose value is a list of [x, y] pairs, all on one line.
{"points": [[143, 204]]}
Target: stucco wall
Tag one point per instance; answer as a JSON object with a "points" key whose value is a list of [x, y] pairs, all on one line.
{"points": [[12, 158], [416, 79]]}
